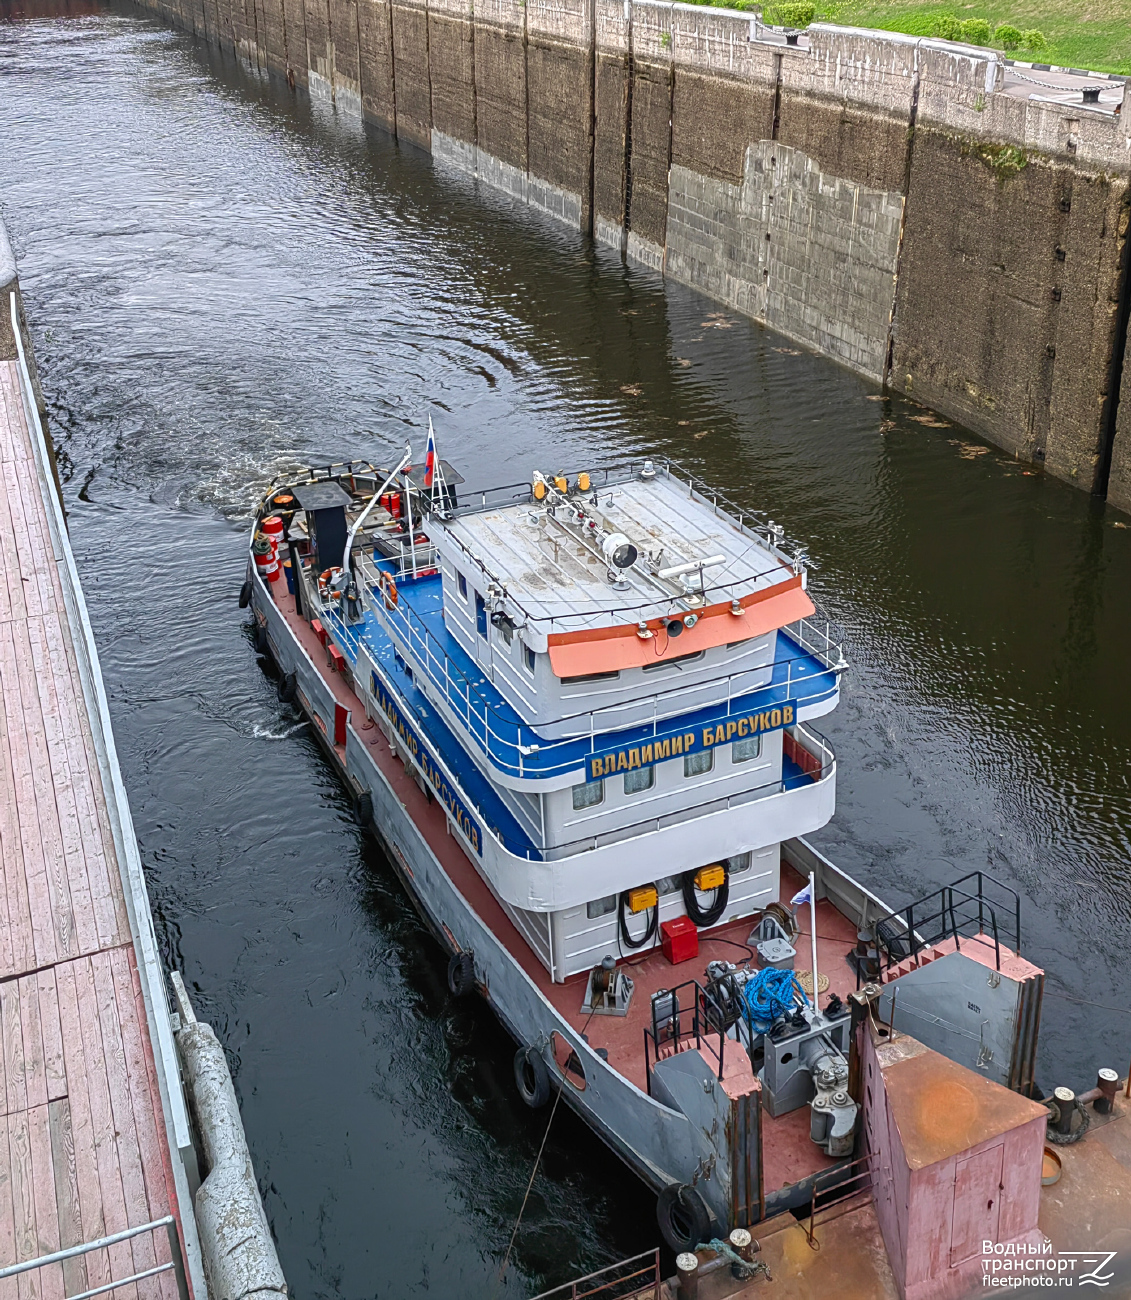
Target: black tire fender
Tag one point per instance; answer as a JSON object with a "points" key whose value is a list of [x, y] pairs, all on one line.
{"points": [[461, 974], [363, 810], [531, 1077], [261, 646], [287, 687], [245, 594], [685, 1221]]}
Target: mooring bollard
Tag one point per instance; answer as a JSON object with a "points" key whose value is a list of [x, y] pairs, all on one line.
{"points": [[1066, 1101], [687, 1266], [743, 1243]]}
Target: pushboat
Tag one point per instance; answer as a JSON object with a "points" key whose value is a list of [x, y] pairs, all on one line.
{"points": [[578, 713]]}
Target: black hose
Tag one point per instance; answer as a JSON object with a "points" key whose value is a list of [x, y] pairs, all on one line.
{"points": [[648, 935], [717, 908]]}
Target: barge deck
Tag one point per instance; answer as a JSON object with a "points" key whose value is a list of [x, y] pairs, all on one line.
{"points": [[85, 1149]]}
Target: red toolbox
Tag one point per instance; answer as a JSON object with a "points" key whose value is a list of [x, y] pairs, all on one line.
{"points": [[680, 939]]}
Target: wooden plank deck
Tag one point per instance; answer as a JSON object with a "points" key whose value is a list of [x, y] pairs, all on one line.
{"points": [[83, 1147]]}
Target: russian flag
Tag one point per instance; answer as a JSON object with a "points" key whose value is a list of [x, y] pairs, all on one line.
{"points": [[430, 456]]}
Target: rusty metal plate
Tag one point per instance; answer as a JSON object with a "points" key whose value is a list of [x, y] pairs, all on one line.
{"points": [[942, 1108]]}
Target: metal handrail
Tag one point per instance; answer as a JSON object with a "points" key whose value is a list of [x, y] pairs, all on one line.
{"points": [[482, 720], [176, 1262], [650, 1272], [830, 1176], [754, 524], [701, 1015], [919, 932], [760, 526], [572, 848]]}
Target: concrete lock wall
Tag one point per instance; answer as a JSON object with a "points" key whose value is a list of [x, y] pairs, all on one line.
{"points": [[875, 196]]}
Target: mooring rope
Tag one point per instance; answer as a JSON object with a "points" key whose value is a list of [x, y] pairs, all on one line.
{"points": [[534, 1171]]}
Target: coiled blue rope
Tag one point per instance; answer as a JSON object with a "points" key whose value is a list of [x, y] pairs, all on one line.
{"points": [[770, 994]]}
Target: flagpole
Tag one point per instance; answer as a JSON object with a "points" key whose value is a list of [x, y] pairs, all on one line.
{"points": [[408, 509], [813, 924]]}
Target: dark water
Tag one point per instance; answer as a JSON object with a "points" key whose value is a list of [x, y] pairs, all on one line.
{"points": [[225, 280]]}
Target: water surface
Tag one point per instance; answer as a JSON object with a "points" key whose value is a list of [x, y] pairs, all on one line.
{"points": [[226, 280]]}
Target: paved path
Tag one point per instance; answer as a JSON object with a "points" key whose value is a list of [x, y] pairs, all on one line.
{"points": [[83, 1147]]}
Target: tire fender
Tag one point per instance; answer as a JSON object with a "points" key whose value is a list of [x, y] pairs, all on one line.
{"points": [[531, 1077], [288, 687], [461, 974], [363, 815], [245, 594], [685, 1221]]}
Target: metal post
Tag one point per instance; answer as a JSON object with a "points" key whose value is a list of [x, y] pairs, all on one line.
{"points": [[178, 1258], [813, 917]]}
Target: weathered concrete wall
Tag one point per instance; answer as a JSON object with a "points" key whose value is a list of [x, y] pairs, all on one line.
{"points": [[412, 72], [875, 196], [559, 105], [810, 254], [611, 115], [375, 49]]}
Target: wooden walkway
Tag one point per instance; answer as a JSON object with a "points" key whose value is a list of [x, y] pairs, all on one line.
{"points": [[83, 1146]]}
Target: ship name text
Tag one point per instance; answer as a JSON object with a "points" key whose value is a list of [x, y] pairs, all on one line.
{"points": [[690, 742]]}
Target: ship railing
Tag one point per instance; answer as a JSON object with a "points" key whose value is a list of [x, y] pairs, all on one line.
{"points": [[977, 907], [166, 1227], [822, 639], [637, 1278], [754, 523], [357, 470], [835, 1180], [509, 744], [677, 1027]]}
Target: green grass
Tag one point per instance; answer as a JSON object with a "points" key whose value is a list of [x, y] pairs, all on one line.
{"points": [[1092, 34]]}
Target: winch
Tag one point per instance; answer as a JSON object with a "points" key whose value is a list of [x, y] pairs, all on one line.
{"points": [[608, 991]]}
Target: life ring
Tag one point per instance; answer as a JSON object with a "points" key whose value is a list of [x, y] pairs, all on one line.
{"points": [[685, 1221], [461, 974], [531, 1077], [388, 589], [325, 581]]}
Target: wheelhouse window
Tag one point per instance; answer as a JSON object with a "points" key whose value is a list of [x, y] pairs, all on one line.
{"points": [[601, 907], [643, 778], [590, 677], [506, 630], [739, 863], [744, 750], [669, 885], [461, 583], [588, 795], [699, 764], [481, 615], [528, 658]]}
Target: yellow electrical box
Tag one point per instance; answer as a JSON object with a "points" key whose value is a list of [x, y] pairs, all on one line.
{"points": [[561, 483], [583, 482], [708, 878], [641, 899]]}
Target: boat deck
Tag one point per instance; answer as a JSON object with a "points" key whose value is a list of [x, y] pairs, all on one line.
{"points": [[789, 1155], [83, 1146], [483, 795], [419, 620]]}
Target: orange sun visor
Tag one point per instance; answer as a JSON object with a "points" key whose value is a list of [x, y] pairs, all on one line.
{"points": [[608, 649]]}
